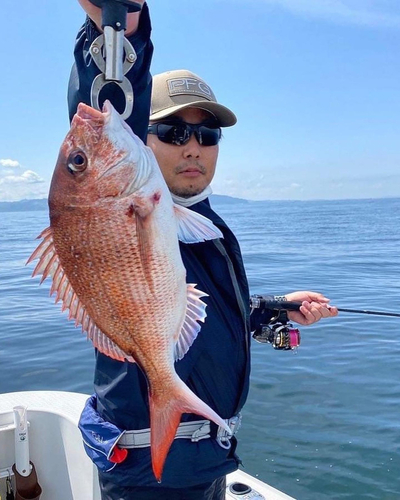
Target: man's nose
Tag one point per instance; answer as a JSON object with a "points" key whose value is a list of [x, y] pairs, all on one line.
{"points": [[192, 148]]}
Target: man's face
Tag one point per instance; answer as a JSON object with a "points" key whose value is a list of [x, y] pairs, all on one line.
{"points": [[190, 168]]}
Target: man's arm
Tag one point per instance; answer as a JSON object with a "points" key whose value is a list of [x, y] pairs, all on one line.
{"points": [[85, 70]]}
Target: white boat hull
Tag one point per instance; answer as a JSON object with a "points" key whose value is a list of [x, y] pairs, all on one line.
{"points": [[64, 471]]}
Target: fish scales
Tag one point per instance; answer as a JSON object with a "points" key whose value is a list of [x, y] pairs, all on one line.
{"points": [[117, 293]]}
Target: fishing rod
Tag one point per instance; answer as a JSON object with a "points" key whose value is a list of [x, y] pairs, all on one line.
{"points": [[281, 334], [295, 306]]}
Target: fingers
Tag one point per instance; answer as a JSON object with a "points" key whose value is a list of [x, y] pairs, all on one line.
{"points": [[314, 306], [314, 311], [332, 310]]}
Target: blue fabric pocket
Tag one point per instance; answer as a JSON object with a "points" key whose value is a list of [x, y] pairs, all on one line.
{"points": [[99, 437]]}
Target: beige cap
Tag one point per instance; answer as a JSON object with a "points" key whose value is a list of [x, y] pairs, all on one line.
{"points": [[179, 89]]}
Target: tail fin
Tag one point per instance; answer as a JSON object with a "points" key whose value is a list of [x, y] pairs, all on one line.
{"points": [[165, 416]]}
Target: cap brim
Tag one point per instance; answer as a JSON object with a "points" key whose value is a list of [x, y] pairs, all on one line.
{"points": [[224, 115]]}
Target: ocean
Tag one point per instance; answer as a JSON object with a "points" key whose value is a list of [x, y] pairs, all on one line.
{"points": [[321, 422]]}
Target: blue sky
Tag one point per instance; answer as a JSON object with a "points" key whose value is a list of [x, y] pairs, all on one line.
{"points": [[314, 83]]}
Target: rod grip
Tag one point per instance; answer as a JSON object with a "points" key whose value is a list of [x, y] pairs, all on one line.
{"points": [[278, 305]]}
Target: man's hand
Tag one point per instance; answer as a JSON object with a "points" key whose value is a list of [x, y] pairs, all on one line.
{"points": [[132, 21], [314, 307]]}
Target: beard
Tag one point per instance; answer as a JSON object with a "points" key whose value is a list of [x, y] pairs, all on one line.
{"points": [[187, 192]]}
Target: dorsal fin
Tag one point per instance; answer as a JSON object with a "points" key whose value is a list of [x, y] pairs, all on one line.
{"points": [[49, 266], [195, 311]]}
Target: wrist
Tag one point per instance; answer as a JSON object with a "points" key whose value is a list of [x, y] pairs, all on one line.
{"points": [[132, 20], [132, 23]]}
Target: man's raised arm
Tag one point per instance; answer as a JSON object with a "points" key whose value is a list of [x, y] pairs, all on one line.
{"points": [[85, 69]]}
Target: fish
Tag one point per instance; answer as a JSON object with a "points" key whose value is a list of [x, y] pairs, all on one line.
{"points": [[112, 252]]}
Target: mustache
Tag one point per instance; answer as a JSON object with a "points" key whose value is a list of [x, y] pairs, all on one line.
{"points": [[190, 164]]}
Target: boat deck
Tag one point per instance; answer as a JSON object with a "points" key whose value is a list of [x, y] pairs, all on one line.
{"points": [[63, 468]]}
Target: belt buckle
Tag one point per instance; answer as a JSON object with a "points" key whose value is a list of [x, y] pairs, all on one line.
{"points": [[223, 439]]}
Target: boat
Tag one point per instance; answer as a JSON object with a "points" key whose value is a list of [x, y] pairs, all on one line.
{"points": [[63, 469]]}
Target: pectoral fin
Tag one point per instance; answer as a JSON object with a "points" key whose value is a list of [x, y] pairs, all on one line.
{"points": [[193, 227], [195, 311]]}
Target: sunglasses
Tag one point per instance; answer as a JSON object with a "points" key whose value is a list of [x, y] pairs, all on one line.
{"points": [[179, 133]]}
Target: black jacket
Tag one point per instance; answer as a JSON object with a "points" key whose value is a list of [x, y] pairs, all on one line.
{"points": [[217, 366]]}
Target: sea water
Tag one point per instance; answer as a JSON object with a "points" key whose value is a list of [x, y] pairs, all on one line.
{"points": [[322, 422]]}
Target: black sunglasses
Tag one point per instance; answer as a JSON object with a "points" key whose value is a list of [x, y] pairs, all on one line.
{"points": [[179, 133]]}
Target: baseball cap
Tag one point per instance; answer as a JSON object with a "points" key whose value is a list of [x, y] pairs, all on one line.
{"points": [[180, 89]]}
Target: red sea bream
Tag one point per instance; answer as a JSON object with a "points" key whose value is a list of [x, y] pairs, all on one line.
{"points": [[112, 252]]}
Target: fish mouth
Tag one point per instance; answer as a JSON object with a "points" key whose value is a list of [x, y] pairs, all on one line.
{"points": [[88, 113], [93, 117]]}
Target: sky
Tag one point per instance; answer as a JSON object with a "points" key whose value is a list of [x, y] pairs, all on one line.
{"points": [[314, 84]]}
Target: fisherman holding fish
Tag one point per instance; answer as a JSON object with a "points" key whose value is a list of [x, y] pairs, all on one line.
{"points": [[170, 319]]}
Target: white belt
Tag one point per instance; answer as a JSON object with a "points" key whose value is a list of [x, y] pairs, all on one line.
{"points": [[195, 431]]}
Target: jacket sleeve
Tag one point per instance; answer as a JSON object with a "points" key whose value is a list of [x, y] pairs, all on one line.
{"points": [[85, 70]]}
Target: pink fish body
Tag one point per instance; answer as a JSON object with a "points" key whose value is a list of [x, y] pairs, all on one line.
{"points": [[113, 254]]}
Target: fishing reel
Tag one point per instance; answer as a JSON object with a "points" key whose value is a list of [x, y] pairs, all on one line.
{"points": [[278, 332]]}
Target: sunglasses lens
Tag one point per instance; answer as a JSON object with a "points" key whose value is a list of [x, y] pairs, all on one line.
{"points": [[180, 133], [173, 133], [208, 136]]}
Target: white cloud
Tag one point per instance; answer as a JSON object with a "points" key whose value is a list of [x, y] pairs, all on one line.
{"points": [[17, 183], [9, 163], [362, 12], [26, 177]]}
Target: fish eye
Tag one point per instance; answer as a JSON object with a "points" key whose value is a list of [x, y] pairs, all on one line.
{"points": [[77, 162]]}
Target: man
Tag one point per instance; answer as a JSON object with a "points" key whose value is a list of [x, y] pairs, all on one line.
{"points": [[184, 133]]}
